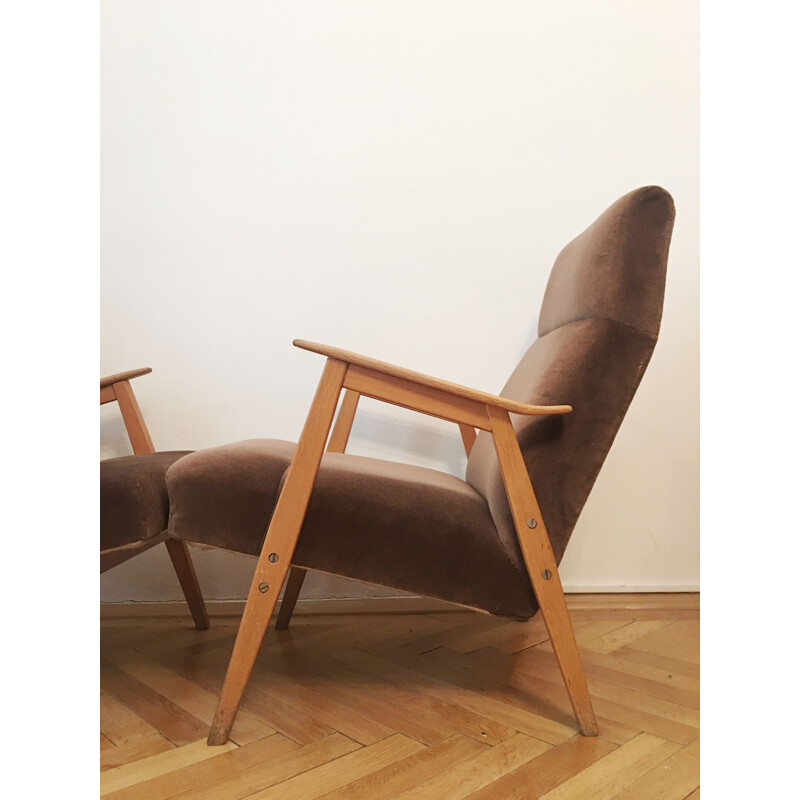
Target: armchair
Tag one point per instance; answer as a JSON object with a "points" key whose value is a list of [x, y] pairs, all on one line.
{"points": [[133, 496], [488, 541]]}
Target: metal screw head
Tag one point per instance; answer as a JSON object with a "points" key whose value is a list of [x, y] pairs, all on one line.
{"points": [[546, 574], [273, 558], [531, 523], [263, 587]]}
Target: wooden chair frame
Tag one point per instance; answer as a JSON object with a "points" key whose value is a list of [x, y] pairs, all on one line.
{"points": [[470, 409], [117, 387]]}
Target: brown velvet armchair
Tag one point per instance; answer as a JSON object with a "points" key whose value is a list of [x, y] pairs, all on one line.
{"points": [[134, 506], [488, 541]]}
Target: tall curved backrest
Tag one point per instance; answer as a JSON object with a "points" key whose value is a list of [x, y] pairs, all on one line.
{"points": [[597, 329]]}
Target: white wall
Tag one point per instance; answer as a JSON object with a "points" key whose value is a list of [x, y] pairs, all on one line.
{"points": [[395, 178]]}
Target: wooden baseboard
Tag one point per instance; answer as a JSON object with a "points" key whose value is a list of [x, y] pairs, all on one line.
{"points": [[615, 602]]}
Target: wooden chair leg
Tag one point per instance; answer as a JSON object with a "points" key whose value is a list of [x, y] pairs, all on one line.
{"points": [[279, 544], [542, 568], [182, 562], [336, 444], [294, 583]]}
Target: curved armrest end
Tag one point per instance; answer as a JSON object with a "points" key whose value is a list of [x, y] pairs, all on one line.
{"points": [[124, 376], [513, 406]]}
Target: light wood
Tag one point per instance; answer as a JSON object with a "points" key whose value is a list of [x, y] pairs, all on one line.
{"points": [[404, 775], [374, 365], [314, 670], [121, 777], [348, 768], [468, 436], [196, 776], [541, 562], [336, 444], [184, 569], [291, 593], [469, 777], [118, 377], [281, 538], [605, 778], [134, 421], [417, 397], [107, 395], [344, 422]]}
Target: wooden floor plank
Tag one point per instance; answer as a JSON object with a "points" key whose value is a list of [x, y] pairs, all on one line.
{"points": [[207, 670], [189, 696], [470, 776], [198, 775], [343, 770], [652, 680], [626, 635], [608, 776], [550, 697], [241, 783], [464, 721], [146, 768], [170, 720], [545, 664], [548, 770], [134, 751], [404, 775], [669, 663], [441, 704], [674, 779], [459, 689], [119, 724], [682, 636]]}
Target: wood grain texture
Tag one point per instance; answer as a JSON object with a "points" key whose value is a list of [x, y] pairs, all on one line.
{"points": [[418, 397], [351, 688], [542, 568], [373, 365], [468, 436], [280, 541], [336, 444], [133, 419], [184, 569], [118, 377], [107, 395]]}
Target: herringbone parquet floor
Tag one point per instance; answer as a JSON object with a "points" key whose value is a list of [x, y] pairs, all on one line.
{"points": [[441, 705]]}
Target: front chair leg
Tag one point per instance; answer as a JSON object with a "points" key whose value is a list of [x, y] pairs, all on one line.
{"points": [[184, 569], [278, 548], [542, 568]]}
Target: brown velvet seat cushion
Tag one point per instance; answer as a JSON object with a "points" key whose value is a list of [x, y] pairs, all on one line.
{"points": [[134, 506], [415, 529]]}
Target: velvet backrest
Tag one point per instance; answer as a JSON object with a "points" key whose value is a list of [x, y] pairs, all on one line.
{"points": [[598, 325]]}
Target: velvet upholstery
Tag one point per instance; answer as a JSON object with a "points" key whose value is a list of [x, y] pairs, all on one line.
{"points": [[434, 534], [598, 326], [224, 496], [366, 519], [134, 506]]}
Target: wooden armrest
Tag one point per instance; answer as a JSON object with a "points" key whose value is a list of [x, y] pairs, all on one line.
{"points": [[124, 376], [426, 380]]}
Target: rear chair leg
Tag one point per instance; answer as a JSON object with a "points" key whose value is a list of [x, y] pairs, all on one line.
{"points": [[182, 562], [336, 444], [294, 583], [279, 544], [541, 564]]}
